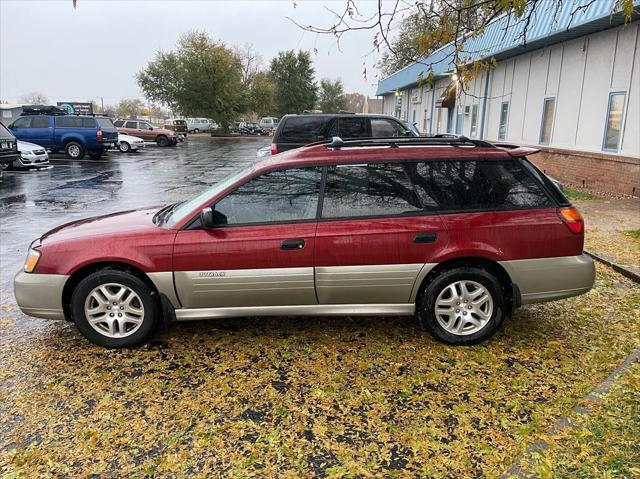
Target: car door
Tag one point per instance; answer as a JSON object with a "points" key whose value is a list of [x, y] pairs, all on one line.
{"points": [[21, 128], [145, 131], [261, 251], [41, 131], [374, 238]]}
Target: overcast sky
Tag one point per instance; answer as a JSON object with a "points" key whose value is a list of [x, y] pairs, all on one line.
{"points": [[95, 50]]}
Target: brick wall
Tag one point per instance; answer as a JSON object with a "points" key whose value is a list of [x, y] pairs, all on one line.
{"points": [[595, 171]]}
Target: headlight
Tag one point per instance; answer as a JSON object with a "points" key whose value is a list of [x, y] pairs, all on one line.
{"points": [[32, 260], [26, 152]]}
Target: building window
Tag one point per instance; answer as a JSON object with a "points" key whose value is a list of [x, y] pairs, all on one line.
{"points": [[613, 129], [474, 121], [504, 114], [547, 120]]}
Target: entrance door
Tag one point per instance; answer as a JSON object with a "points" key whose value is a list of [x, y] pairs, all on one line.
{"points": [[261, 251], [373, 237]]}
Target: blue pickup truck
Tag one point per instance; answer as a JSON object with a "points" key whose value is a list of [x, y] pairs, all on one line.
{"points": [[77, 135]]}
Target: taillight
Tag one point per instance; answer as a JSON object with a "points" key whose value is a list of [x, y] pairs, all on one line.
{"points": [[99, 135], [573, 219], [274, 148]]}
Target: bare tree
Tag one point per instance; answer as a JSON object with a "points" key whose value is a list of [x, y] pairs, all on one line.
{"points": [[250, 59], [34, 98]]}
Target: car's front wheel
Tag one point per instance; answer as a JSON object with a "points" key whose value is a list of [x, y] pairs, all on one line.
{"points": [[162, 141], [462, 306], [115, 309], [124, 147]]}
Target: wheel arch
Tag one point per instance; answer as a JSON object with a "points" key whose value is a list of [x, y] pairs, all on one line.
{"points": [[81, 273], [511, 291]]}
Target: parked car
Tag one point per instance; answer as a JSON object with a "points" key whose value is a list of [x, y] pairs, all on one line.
{"points": [[8, 149], [198, 125], [31, 156], [145, 130], [295, 131], [457, 231], [76, 135], [128, 143], [178, 125], [269, 124], [249, 128]]}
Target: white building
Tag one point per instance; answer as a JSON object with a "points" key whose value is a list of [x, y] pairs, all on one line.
{"points": [[573, 91]]}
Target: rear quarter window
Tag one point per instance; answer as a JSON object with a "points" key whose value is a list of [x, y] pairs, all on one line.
{"points": [[105, 123], [303, 129], [454, 185]]}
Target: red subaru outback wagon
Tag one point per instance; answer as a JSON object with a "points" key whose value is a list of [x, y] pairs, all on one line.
{"points": [[457, 231]]}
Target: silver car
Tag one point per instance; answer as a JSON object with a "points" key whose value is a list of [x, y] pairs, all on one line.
{"points": [[31, 156]]}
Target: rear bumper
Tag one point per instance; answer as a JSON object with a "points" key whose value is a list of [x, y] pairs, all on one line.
{"points": [[40, 295], [548, 279]]}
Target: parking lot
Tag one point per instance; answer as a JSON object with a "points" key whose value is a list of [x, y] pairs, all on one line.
{"points": [[275, 397]]}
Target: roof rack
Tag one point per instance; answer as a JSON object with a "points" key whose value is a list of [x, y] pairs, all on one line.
{"points": [[43, 110], [443, 139]]}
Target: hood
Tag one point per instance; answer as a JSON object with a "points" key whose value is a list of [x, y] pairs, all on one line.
{"points": [[26, 146], [122, 136], [113, 224]]}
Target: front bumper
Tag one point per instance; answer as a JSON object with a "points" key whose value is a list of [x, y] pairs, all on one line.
{"points": [[548, 279], [136, 146], [40, 295], [32, 161]]}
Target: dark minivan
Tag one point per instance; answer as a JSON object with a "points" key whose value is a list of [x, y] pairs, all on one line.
{"points": [[295, 131]]}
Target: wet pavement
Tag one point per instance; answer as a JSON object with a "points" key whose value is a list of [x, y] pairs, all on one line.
{"points": [[32, 202]]}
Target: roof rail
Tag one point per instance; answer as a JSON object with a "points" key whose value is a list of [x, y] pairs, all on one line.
{"points": [[448, 140]]}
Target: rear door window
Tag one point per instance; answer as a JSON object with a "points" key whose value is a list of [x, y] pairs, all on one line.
{"points": [[476, 185], [352, 128], [368, 190], [301, 129], [119, 123], [131, 124], [385, 128], [40, 122]]}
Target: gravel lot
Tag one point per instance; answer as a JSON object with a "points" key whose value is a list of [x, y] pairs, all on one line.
{"points": [[276, 397]]}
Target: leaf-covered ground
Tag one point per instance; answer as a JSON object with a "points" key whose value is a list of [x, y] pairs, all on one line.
{"points": [[303, 397], [621, 247], [604, 443]]}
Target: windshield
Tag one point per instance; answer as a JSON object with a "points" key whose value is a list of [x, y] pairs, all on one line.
{"points": [[184, 209]]}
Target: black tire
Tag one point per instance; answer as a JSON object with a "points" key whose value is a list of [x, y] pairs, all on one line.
{"points": [[124, 147], [96, 154], [431, 291], [74, 150], [162, 141], [151, 316], [196, 130]]}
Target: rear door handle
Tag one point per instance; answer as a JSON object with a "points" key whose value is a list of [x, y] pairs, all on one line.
{"points": [[292, 244], [429, 237]]}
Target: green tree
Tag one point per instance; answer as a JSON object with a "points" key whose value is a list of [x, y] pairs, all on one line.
{"points": [[129, 108], [200, 78], [293, 78], [261, 94], [331, 97]]}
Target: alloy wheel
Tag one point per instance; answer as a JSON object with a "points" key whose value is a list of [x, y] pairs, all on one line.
{"points": [[464, 307], [114, 310]]}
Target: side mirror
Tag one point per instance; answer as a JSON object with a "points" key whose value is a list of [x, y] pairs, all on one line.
{"points": [[206, 218], [151, 128]]}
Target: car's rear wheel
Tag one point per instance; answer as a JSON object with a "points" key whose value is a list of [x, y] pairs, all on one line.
{"points": [[162, 141], [114, 309], [196, 130], [124, 147], [96, 154], [74, 150], [462, 306]]}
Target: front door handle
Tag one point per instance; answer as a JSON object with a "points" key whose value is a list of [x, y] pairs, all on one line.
{"points": [[428, 237], [292, 244]]}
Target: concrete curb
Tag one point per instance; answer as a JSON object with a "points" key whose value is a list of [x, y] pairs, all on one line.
{"points": [[516, 469], [632, 275]]}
